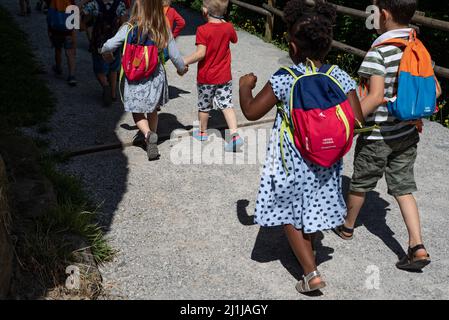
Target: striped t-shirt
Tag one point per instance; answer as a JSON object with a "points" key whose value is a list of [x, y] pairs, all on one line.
{"points": [[384, 61]]}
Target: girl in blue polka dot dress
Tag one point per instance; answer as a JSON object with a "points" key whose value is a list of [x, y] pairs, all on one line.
{"points": [[308, 199]]}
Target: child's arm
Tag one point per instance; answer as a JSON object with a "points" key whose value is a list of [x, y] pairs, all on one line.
{"points": [[234, 37], [355, 105], [375, 97], [115, 42], [439, 91], [255, 108], [176, 57], [180, 23], [197, 56]]}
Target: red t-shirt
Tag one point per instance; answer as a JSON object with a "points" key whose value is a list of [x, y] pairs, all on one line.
{"points": [[177, 22], [215, 68]]}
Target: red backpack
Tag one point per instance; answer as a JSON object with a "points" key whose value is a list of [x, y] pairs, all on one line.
{"points": [[140, 56], [321, 122]]}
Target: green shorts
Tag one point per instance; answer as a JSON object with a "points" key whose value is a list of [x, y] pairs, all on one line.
{"points": [[395, 159]]}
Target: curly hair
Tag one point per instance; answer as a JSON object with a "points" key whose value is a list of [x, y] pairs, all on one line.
{"points": [[310, 28]]}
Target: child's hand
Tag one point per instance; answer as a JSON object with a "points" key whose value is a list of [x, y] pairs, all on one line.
{"points": [[108, 57], [249, 80], [183, 72]]}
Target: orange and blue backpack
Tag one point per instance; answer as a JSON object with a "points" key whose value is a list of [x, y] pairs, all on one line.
{"points": [[416, 93]]}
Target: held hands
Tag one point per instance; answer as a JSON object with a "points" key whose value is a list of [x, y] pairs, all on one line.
{"points": [[183, 72], [248, 81]]}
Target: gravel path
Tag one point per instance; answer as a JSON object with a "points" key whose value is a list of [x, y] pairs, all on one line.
{"points": [[186, 231]]}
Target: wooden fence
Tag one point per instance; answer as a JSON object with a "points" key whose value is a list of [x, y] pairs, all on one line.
{"points": [[270, 11]]}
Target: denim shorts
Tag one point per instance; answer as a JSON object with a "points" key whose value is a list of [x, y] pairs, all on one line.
{"points": [[395, 159], [101, 66]]}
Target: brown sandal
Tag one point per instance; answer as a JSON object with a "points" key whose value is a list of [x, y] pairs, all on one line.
{"points": [[412, 263], [341, 230]]}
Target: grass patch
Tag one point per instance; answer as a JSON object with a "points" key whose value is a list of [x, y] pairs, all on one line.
{"points": [[45, 244]]}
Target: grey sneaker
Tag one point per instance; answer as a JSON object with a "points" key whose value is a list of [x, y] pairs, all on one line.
{"points": [[72, 81], [152, 149]]}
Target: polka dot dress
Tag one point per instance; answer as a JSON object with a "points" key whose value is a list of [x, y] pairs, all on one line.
{"points": [[310, 197]]}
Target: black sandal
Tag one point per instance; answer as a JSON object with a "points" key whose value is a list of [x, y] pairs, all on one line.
{"points": [[341, 230], [411, 263]]}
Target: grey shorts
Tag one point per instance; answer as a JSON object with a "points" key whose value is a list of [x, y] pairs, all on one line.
{"points": [[210, 95], [395, 159]]}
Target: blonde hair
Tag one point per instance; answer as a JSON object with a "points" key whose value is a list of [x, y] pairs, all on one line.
{"points": [[149, 17], [216, 7]]}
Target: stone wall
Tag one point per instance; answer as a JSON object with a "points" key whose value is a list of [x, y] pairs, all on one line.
{"points": [[6, 252]]}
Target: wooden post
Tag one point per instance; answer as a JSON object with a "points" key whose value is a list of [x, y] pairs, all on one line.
{"points": [[269, 23]]}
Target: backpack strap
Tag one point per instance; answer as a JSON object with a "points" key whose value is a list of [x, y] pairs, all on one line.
{"points": [[327, 69], [122, 72], [294, 73]]}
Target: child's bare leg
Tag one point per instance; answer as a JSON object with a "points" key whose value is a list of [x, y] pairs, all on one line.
{"points": [[231, 120], [58, 57], [141, 123], [409, 210], [203, 117], [101, 77], [113, 83], [153, 120], [301, 245], [70, 54], [355, 204]]}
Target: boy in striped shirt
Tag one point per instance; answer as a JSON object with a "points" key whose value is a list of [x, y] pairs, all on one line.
{"points": [[391, 149]]}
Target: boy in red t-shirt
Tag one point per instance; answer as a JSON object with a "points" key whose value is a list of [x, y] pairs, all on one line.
{"points": [[214, 71]]}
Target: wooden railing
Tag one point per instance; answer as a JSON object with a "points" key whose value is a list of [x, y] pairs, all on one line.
{"points": [[270, 11]]}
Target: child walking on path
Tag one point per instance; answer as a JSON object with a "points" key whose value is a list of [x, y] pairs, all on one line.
{"points": [[108, 16], [214, 71], [309, 198], [62, 38], [177, 22], [392, 149], [144, 96]]}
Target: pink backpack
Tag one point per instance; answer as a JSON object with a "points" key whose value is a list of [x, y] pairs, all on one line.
{"points": [[321, 121]]}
